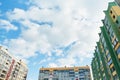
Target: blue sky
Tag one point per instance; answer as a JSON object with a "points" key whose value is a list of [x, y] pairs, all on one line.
{"points": [[51, 33]]}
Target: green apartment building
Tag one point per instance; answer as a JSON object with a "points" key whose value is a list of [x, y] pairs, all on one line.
{"points": [[106, 61]]}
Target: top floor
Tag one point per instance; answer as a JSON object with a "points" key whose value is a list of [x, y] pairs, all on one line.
{"points": [[65, 68]]}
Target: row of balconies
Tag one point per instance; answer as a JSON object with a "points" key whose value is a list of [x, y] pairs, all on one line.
{"points": [[5, 64]]}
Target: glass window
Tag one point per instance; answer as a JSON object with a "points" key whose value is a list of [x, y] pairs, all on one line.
{"points": [[108, 55], [111, 11], [110, 62], [113, 16], [112, 69], [106, 23], [118, 50], [46, 79], [119, 28], [115, 42], [117, 22], [115, 77], [110, 30]]}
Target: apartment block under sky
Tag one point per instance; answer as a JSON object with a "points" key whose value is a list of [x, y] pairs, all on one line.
{"points": [[106, 61], [65, 73], [11, 68]]}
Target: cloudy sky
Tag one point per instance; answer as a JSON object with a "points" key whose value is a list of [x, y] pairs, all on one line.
{"points": [[51, 32]]}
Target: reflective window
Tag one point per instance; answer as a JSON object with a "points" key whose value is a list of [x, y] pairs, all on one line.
{"points": [[118, 50], [111, 11], [117, 22], [115, 77], [108, 55], [112, 69], [113, 16], [110, 62]]}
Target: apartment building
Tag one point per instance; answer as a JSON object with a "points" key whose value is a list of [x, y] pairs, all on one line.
{"points": [[11, 68], [106, 61], [65, 73]]}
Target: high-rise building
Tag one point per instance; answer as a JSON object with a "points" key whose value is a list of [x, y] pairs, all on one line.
{"points": [[65, 73], [106, 61], [11, 68]]}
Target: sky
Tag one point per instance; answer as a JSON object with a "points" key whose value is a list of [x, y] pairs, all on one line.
{"points": [[51, 33]]}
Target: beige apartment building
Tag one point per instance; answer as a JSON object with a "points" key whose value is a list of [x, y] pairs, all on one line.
{"points": [[65, 73], [10, 67]]}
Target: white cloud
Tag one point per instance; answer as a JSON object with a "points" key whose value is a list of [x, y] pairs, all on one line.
{"points": [[20, 47], [17, 14], [72, 20], [7, 25], [52, 65], [60, 62], [67, 61]]}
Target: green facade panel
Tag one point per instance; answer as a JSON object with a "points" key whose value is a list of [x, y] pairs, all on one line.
{"points": [[102, 55], [112, 52]]}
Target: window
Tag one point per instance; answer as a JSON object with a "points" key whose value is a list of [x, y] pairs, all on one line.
{"points": [[6, 63], [107, 25], [45, 78], [110, 31], [117, 22], [82, 78], [104, 78], [119, 27], [115, 42], [113, 16], [115, 77], [4, 72], [111, 11], [112, 69], [72, 74], [118, 50], [108, 55], [110, 62], [2, 75]]}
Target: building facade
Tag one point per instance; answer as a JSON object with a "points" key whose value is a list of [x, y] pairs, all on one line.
{"points": [[118, 2], [106, 61], [11, 68], [65, 73]]}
